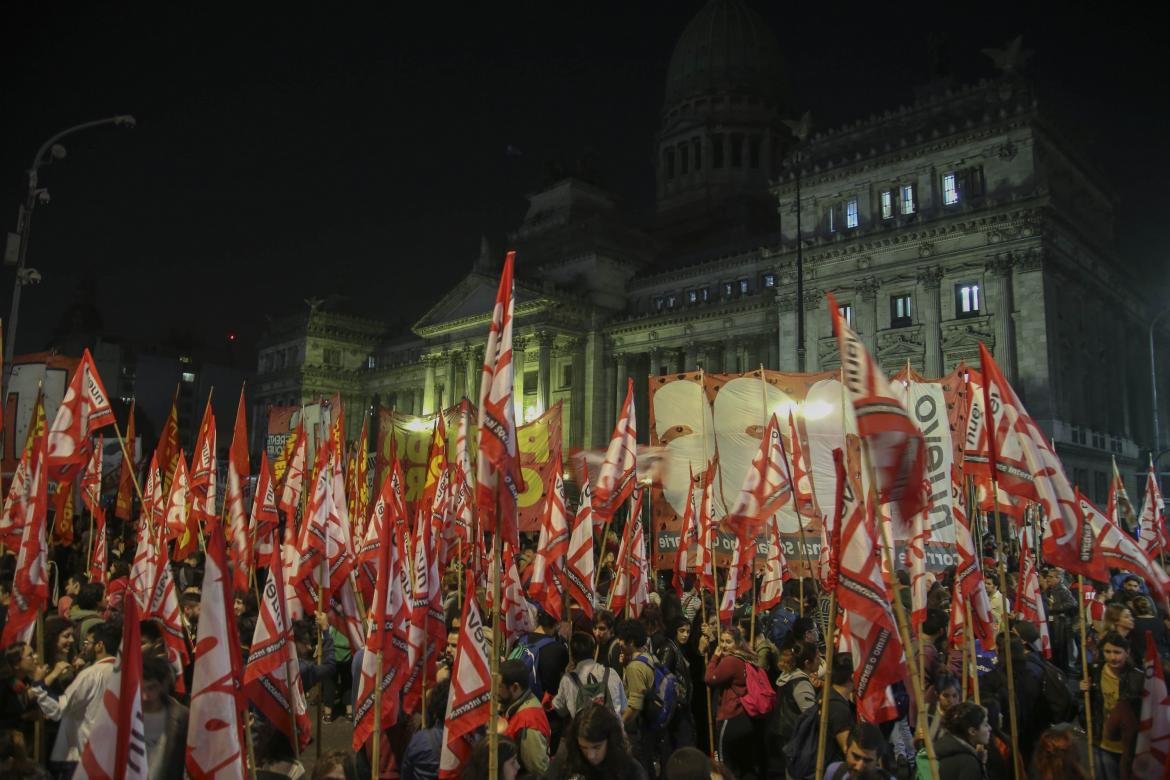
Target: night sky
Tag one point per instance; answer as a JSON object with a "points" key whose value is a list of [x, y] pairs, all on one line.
{"points": [[283, 157]]}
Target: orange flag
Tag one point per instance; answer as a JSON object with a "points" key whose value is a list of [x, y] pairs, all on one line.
{"points": [[124, 506]]}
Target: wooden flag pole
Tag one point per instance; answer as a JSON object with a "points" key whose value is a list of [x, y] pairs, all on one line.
{"points": [[969, 644], [1085, 677], [494, 720], [376, 746], [38, 724], [619, 560], [707, 688], [826, 685], [1004, 630], [250, 743], [321, 649]]}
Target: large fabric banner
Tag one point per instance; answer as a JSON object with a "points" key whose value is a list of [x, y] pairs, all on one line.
{"points": [[409, 438], [720, 418]]}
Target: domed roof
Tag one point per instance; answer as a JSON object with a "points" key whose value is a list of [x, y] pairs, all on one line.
{"points": [[727, 47]]}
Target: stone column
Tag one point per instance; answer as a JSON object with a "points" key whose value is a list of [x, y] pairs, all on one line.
{"points": [[812, 356], [680, 360], [473, 357], [518, 363], [544, 340], [622, 366], [773, 350], [867, 313], [594, 388], [428, 399], [575, 348], [999, 276], [606, 412], [729, 346], [416, 407], [691, 351], [786, 322], [928, 286], [449, 382], [1034, 362]]}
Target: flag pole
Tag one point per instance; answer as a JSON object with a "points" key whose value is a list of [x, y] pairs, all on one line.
{"points": [[1085, 676], [707, 688], [1001, 568], [969, 643], [375, 748], [755, 550], [250, 743], [494, 720], [38, 724], [826, 685]]}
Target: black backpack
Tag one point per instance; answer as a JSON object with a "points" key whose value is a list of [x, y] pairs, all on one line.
{"points": [[800, 751], [1055, 694], [786, 712]]}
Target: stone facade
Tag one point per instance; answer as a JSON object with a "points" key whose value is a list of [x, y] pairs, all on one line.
{"points": [[961, 218]]}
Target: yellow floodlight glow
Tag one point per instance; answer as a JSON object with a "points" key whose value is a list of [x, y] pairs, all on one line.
{"points": [[419, 424], [817, 410], [784, 408]]}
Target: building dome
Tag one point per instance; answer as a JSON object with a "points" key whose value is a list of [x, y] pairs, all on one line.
{"points": [[727, 48]]}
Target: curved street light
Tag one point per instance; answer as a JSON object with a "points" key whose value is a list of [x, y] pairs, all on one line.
{"points": [[33, 196]]}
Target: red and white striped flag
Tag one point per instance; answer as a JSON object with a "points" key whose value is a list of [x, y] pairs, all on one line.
{"points": [[175, 516], [969, 588], [1151, 755], [1153, 535], [499, 479], [619, 470], [766, 487], [872, 635], [689, 554], [739, 578], [272, 677], [387, 506], [202, 485], [469, 702], [623, 580], [707, 530], [802, 486], [1105, 546], [775, 569], [265, 522], [312, 541], [215, 746], [1029, 599], [916, 555], [896, 447], [30, 586], [237, 518], [547, 586], [427, 627], [116, 748], [294, 473], [91, 496], [639, 564], [519, 616], [1118, 507], [85, 409], [127, 472], [579, 566]]}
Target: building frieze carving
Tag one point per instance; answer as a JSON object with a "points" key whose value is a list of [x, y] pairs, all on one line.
{"points": [[897, 344], [868, 288], [959, 336], [828, 352], [930, 277]]}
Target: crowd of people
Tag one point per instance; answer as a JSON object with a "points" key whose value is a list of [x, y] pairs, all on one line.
{"points": [[671, 693]]}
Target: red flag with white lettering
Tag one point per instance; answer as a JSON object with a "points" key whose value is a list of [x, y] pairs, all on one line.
{"points": [[1151, 754], [547, 586], [618, 473], [1152, 532], [91, 496], [30, 586], [240, 549], [469, 702], [294, 473], [1105, 546], [579, 566], [265, 522], [775, 569], [766, 488], [85, 409], [897, 449], [689, 553]]}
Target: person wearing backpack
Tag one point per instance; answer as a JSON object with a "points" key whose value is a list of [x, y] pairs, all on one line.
{"points": [[682, 726], [646, 735], [736, 737], [523, 719], [420, 761], [796, 691], [543, 652], [587, 681]]}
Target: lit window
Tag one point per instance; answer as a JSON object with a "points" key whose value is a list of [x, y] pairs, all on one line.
{"points": [[671, 301], [659, 303], [371, 362], [692, 297], [966, 300], [705, 294], [188, 377], [769, 280], [900, 311], [728, 289], [743, 286], [907, 198], [851, 213], [950, 190], [887, 204], [846, 312]]}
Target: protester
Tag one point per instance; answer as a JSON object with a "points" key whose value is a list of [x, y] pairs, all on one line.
{"points": [[16, 761], [523, 719], [1062, 610], [164, 720], [549, 656], [736, 736], [421, 759], [1058, 755], [594, 748], [1146, 621], [18, 708], [609, 650], [646, 741], [962, 748], [1115, 688], [586, 680], [688, 764], [948, 693], [681, 732], [478, 766], [864, 748]]}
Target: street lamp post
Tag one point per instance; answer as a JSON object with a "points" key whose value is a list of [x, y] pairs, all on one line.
{"points": [[1154, 382], [24, 217]]}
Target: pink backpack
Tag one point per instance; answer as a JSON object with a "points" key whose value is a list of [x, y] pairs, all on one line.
{"points": [[760, 696]]}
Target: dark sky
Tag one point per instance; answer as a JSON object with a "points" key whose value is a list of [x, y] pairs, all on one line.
{"points": [[282, 157]]}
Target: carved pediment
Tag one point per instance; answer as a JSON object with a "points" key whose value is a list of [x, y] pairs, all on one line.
{"points": [[965, 334], [900, 343], [828, 353], [469, 304]]}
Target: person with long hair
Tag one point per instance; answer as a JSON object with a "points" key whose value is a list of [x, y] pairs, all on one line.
{"points": [[962, 749], [60, 655], [735, 732], [1058, 755], [18, 709], [479, 764], [594, 748]]}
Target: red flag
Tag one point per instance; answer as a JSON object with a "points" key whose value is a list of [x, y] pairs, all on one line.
{"points": [[547, 587], [739, 578], [878, 658], [272, 678], [30, 586], [1118, 507], [202, 485], [969, 587], [123, 505], [178, 498], [802, 486], [896, 447], [168, 443], [389, 505], [214, 735], [384, 610], [689, 552], [766, 488], [618, 474], [312, 542], [499, 459], [12, 518], [775, 570], [916, 553], [707, 530], [294, 474], [469, 702], [1151, 755], [1153, 535], [1104, 546], [91, 496], [519, 616], [85, 409], [360, 500], [631, 579], [1029, 599], [240, 550], [116, 748], [579, 567], [427, 626], [265, 521]]}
